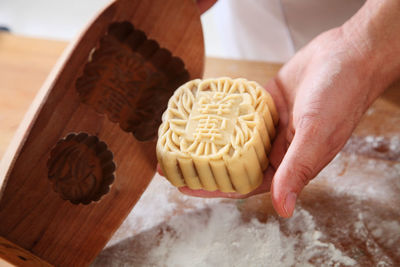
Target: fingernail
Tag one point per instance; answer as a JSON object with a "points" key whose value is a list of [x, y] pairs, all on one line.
{"points": [[290, 202]]}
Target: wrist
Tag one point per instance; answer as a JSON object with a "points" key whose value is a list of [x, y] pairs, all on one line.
{"points": [[373, 35]]}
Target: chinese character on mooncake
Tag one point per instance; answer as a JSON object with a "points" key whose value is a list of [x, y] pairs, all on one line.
{"points": [[216, 135]]}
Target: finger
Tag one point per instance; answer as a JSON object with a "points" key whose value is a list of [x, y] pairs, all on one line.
{"points": [[263, 188], [204, 5], [280, 144], [159, 170], [303, 160], [279, 147]]}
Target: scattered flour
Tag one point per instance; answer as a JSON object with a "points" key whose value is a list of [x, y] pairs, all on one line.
{"points": [[170, 229], [154, 207], [381, 237], [367, 168], [218, 236], [395, 143], [225, 240]]}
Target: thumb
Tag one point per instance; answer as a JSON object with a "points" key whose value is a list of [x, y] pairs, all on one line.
{"points": [[302, 161]]}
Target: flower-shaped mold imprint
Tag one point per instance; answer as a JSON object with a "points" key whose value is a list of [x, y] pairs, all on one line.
{"points": [[130, 78], [81, 168], [216, 135]]}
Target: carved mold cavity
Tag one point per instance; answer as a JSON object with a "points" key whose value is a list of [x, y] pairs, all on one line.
{"points": [[81, 168], [130, 79]]}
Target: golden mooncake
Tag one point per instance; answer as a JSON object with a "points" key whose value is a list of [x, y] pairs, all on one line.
{"points": [[216, 135]]}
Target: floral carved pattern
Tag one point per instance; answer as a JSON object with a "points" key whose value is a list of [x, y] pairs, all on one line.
{"points": [[81, 168], [130, 79], [216, 135], [214, 118]]}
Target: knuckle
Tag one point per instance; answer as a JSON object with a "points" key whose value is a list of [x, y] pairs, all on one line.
{"points": [[304, 173], [309, 123]]}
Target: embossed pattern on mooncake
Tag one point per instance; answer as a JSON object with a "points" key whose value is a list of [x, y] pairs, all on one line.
{"points": [[216, 135]]}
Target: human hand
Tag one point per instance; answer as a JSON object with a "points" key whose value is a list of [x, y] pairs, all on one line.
{"points": [[326, 89], [321, 94]]}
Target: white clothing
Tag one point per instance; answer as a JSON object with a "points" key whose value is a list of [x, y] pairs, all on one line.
{"points": [[271, 30]]}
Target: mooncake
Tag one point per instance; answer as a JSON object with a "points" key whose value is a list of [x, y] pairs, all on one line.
{"points": [[216, 135]]}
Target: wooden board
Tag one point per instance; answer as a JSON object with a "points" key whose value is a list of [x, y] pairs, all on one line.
{"points": [[360, 168], [64, 193], [17, 256]]}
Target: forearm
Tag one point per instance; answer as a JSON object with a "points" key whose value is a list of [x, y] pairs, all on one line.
{"points": [[374, 32]]}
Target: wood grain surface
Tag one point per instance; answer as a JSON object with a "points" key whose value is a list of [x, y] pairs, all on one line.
{"points": [[361, 166], [17, 256], [45, 216]]}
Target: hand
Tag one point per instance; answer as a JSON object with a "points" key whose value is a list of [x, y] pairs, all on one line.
{"points": [[326, 89], [321, 94]]}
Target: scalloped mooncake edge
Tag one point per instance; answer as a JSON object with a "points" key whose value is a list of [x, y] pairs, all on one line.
{"points": [[216, 135]]}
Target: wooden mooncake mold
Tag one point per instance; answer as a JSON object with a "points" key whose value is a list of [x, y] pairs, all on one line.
{"points": [[216, 134]]}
